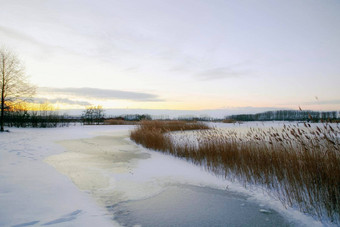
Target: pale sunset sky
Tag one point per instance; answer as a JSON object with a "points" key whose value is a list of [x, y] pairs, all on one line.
{"points": [[178, 54]]}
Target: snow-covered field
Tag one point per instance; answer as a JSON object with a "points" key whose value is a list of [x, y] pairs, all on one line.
{"points": [[32, 192], [68, 176]]}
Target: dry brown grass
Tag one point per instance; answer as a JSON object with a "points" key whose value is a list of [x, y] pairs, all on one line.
{"points": [[119, 122], [300, 165], [229, 121], [151, 133], [168, 126]]}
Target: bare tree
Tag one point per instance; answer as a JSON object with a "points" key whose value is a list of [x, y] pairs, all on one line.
{"points": [[14, 85], [93, 115]]}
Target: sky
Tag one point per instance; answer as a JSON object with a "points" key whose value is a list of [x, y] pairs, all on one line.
{"points": [[178, 54]]}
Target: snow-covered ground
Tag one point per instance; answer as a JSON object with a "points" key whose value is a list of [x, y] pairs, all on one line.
{"points": [[67, 176], [33, 193]]}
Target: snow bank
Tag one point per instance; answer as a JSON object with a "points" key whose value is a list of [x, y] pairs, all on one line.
{"points": [[33, 192]]}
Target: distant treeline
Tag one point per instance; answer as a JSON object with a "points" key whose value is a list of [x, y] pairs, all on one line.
{"points": [[95, 115], [140, 117], [131, 117], [36, 119], [287, 115]]}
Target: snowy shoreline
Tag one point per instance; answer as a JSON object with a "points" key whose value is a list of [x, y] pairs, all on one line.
{"points": [[121, 171]]}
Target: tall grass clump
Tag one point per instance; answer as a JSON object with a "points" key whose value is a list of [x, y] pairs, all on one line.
{"points": [[151, 133], [298, 164]]}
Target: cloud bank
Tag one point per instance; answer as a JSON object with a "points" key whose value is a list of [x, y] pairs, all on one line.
{"points": [[103, 94], [62, 100]]}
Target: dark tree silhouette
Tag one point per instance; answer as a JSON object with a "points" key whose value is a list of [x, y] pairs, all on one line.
{"points": [[14, 85], [93, 115]]}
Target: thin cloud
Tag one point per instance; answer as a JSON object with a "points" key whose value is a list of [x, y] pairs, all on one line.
{"points": [[103, 94], [219, 73], [229, 71], [62, 100], [25, 39], [18, 35], [323, 102]]}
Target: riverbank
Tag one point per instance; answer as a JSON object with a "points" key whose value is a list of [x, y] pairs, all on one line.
{"points": [[115, 171], [105, 174]]}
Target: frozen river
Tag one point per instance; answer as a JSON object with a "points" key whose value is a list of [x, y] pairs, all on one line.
{"points": [[187, 205]]}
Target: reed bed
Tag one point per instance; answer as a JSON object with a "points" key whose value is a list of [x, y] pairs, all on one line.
{"points": [[119, 122], [298, 164]]}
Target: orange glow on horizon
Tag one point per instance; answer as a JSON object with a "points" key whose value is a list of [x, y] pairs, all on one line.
{"points": [[29, 106]]}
